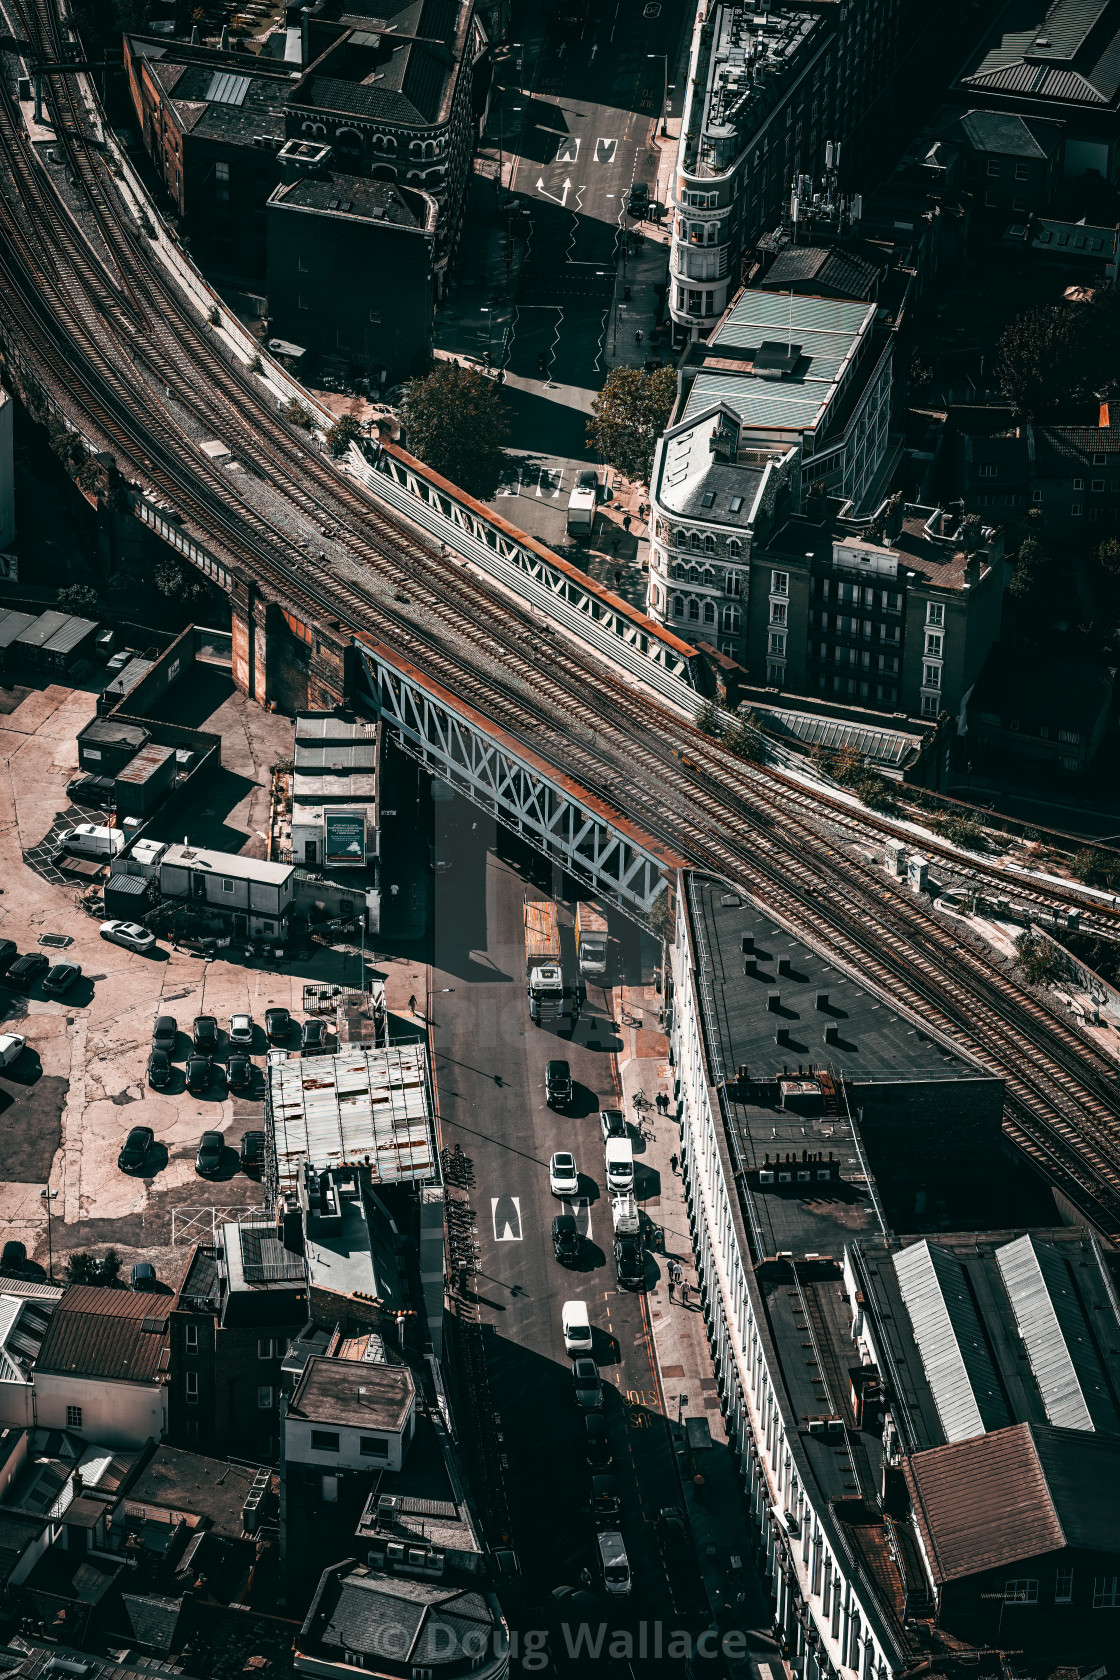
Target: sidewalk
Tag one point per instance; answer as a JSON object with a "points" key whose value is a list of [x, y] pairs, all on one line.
{"points": [[720, 1525]]}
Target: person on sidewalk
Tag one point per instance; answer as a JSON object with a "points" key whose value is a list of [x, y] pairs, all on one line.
{"points": [[412, 1004], [684, 1294], [672, 1284], [673, 1164]]}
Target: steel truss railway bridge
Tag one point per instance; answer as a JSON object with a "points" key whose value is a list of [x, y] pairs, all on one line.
{"points": [[540, 696]]}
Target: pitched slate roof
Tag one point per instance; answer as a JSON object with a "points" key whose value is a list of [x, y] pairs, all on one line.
{"points": [[113, 1333]]}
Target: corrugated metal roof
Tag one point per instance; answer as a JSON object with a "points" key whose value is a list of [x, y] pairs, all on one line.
{"points": [[12, 626], [227, 89], [1051, 1319], [96, 1332], [947, 1330], [75, 630], [884, 746], [359, 1106]]}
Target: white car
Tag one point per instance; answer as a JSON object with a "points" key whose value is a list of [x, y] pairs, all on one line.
{"points": [[241, 1030], [577, 1328], [130, 934], [563, 1174], [11, 1046]]}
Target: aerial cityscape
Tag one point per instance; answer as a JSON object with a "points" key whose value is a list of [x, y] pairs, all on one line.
{"points": [[560, 839]]}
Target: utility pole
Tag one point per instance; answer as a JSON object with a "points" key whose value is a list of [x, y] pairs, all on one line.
{"points": [[48, 1196]]}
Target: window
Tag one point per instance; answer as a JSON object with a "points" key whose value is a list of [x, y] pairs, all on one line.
{"points": [[375, 317], [933, 644], [330, 1490], [709, 612], [221, 182], [227, 885], [932, 676], [988, 472], [264, 1404], [192, 1388], [301, 265], [1075, 510], [1036, 497], [1106, 1592], [694, 542], [710, 542], [1024, 1591], [373, 1446], [324, 1440], [775, 675], [1100, 460], [991, 202], [678, 607], [733, 583], [778, 610], [1079, 484], [73, 1417], [778, 642], [694, 612], [1063, 1587], [731, 620], [734, 548], [929, 705], [779, 583], [993, 166], [1070, 737], [1021, 172], [1097, 484], [268, 1348], [728, 649], [935, 611], [680, 538], [302, 301], [190, 1337]]}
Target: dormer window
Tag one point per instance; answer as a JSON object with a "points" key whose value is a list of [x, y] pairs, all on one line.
{"points": [[709, 499], [736, 504]]}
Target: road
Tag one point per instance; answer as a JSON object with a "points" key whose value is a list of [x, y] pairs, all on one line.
{"points": [[489, 1063]]}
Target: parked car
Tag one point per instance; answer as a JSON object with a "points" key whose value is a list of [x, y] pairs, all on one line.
{"points": [[612, 1124], [596, 1441], [278, 1025], [165, 1034], [137, 1147], [620, 1166], [143, 1276], [129, 934], [565, 1239], [9, 951], [563, 1174], [672, 1535], [588, 1388], [211, 1150], [251, 1154], [273, 1058], [241, 1030], [239, 1071], [204, 1034], [576, 1327], [92, 840], [630, 1262], [92, 792], [117, 663], [558, 1084], [26, 970], [60, 979], [313, 1037], [605, 1502], [637, 202], [13, 1258], [159, 1070], [198, 1071], [12, 1046]]}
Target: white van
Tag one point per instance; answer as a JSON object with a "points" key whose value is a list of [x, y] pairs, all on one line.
{"points": [[577, 1328], [89, 840], [613, 1562], [620, 1166]]}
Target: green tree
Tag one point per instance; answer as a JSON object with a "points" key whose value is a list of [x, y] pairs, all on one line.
{"points": [[745, 742], [708, 719], [629, 415], [176, 581], [345, 431], [663, 917], [456, 422], [92, 1268], [78, 598], [1096, 867], [1040, 961], [296, 415], [970, 537], [1031, 567], [1036, 355]]}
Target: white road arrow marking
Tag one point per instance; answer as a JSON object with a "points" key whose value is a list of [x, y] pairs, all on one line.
{"points": [[563, 199]]}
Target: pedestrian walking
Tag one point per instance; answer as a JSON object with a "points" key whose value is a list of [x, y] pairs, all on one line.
{"points": [[412, 1004], [672, 1283], [637, 335], [673, 1164], [684, 1294], [626, 523]]}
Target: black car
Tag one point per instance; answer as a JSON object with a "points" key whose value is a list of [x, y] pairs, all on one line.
{"points": [[26, 970], [137, 1147], [199, 1069], [596, 1441], [165, 1034], [9, 951], [630, 1262], [565, 1239], [672, 1534], [239, 1072], [278, 1025], [313, 1037], [586, 1385], [204, 1034], [558, 1085], [60, 979], [143, 1276], [159, 1070], [612, 1124], [638, 199], [211, 1150], [605, 1502], [13, 1259], [252, 1154], [97, 792]]}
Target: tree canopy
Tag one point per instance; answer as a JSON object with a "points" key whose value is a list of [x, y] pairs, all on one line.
{"points": [[629, 415], [455, 421], [1055, 354]]}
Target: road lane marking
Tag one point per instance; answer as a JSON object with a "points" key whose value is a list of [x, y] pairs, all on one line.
{"points": [[568, 150], [577, 1206], [506, 1214], [605, 150]]}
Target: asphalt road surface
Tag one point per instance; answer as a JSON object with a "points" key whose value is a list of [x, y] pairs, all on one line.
{"points": [[489, 1062]]}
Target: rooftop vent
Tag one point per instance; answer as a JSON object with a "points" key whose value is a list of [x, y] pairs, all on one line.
{"points": [[776, 361]]}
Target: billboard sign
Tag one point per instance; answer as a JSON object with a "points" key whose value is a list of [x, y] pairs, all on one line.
{"points": [[344, 837]]}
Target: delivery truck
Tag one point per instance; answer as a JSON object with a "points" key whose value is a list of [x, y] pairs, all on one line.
{"points": [[582, 504], [550, 1000], [591, 939]]}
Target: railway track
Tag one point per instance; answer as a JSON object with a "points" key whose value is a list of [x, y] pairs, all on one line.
{"points": [[116, 342]]}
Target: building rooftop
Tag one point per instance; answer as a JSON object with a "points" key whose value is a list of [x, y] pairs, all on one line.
{"points": [[113, 732], [743, 61], [820, 268], [360, 1106], [431, 1507], [393, 65], [233, 864], [354, 1393], [360, 200], [351, 1254], [892, 749], [737, 368], [41, 630], [12, 626], [330, 741], [114, 1333], [189, 1484], [990, 1501], [690, 480], [1005, 133], [23, 1324], [1054, 52], [18, 1530], [146, 762], [1065, 449], [433, 1625], [220, 95]]}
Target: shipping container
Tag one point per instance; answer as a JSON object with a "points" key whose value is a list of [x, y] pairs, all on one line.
{"points": [[127, 897], [144, 780], [105, 746], [27, 649], [70, 645]]}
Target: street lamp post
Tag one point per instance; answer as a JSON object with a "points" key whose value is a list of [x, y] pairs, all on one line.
{"points": [[664, 57], [48, 1196]]}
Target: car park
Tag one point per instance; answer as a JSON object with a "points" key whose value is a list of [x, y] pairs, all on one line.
{"points": [[137, 1147], [576, 1327], [565, 1239], [587, 1385], [204, 1034], [129, 934], [596, 1441], [59, 979], [143, 1276], [251, 1154], [211, 1151], [198, 1070], [277, 1025], [313, 1037], [612, 1124], [159, 1070], [558, 1084], [630, 1262], [605, 1502], [9, 951], [12, 1046], [241, 1031], [239, 1071], [26, 970], [563, 1174], [165, 1034]]}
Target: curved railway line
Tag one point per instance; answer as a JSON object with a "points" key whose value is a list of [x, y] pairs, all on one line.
{"points": [[117, 344]]}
